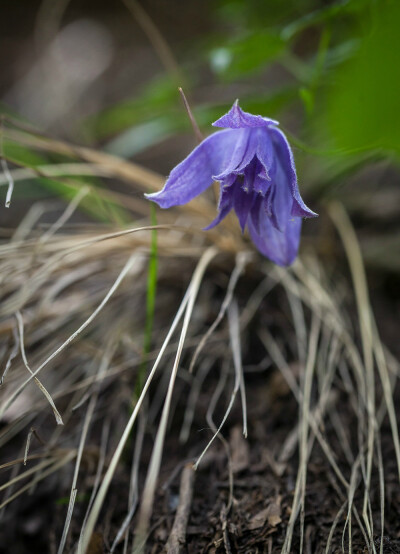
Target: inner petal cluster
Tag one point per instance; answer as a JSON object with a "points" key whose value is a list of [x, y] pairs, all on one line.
{"points": [[248, 180]]}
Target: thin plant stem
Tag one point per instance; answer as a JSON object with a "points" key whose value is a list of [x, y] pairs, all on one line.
{"points": [[150, 300]]}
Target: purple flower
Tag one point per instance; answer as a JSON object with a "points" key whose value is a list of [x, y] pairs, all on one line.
{"points": [[253, 162]]}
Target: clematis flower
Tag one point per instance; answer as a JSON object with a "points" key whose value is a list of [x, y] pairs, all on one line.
{"points": [[253, 162]]}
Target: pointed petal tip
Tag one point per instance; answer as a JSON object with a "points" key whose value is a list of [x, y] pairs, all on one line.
{"points": [[161, 199], [242, 226], [299, 209], [311, 214], [152, 196], [210, 226], [225, 205], [236, 118], [221, 215]]}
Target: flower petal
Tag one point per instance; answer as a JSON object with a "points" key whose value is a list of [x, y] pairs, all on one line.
{"points": [[194, 175], [241, 156], [251, 144], [269, 212], [265, 152], [255, 177], [250, 174], [280, 247], [242, 202], [224, 206], [280, 201], [236, 118], [285, 155], [255, 213]]}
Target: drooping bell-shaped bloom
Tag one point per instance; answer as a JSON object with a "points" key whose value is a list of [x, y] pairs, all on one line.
{"points": [[253, 162]]}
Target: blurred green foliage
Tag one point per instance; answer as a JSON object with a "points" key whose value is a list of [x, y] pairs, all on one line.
{"points": [[362, 108], [99, 205], [246, 54], [335, 63]]}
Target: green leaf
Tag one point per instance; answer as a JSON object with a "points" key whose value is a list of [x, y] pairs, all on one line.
{"points": [[363, 101]]}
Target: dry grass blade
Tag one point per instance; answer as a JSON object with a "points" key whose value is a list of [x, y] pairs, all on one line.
{"points": [[28, 444], [351, 492], [234, 334], [193, 121], [103, 445], [27, 473], [152, 474], [209, 417], [10, 182], [233, 320], [85, 428], [194, 392], [134, 484], [55, 170], [12, 355], [38, 383], [275, 353], [332, 530], [241, 261], [299, 494], [68, 518], [381, 490], [364, 312], [68, 212]]}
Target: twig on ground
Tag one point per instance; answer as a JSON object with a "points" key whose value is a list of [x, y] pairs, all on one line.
{"points": [[225, 533], [176, 539]]}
